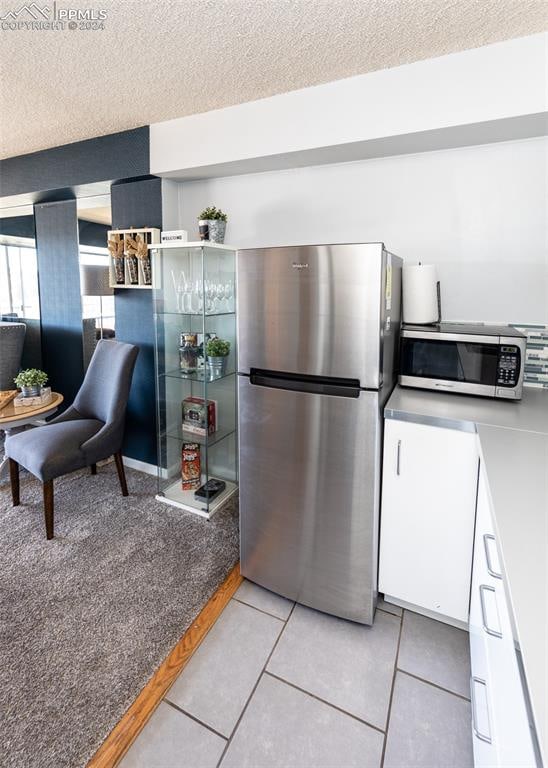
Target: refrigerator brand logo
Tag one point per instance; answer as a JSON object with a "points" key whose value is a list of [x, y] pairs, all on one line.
{"points": [[299, 265]]}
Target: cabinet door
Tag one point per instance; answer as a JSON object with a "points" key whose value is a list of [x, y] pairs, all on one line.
{"points": [[427, 520]]}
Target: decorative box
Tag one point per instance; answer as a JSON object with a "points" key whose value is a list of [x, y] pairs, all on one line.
{"points": [[199, 416], [174, 236], [130, 265], [27, 402]]}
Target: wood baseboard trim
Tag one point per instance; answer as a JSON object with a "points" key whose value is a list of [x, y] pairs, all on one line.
{"points": [[122, 736]]}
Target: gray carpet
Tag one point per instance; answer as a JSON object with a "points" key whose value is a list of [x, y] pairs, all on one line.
{"points": [[87, 618]]}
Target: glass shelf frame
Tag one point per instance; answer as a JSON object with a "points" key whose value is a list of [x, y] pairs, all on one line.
{"points": [[211, 440], [195, 264], [196, 314], [198, 376]]}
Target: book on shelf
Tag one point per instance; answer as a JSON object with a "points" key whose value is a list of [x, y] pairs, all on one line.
{"points": [[191, 476]]}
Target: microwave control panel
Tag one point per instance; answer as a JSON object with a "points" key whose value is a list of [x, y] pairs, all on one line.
{"points": [[508, 366]]}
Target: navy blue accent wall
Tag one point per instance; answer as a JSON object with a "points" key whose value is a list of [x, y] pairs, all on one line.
{"points": [[116, 156], [60, 304], [60, 174], [17, 226], [89, 232], [138, 204], [92, 233]]}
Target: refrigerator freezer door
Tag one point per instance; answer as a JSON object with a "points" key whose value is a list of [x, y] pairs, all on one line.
{"points": [[309, 496], [314, 310]]}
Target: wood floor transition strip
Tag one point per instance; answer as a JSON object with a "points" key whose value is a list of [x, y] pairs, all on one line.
{"points": [[122, 736]]}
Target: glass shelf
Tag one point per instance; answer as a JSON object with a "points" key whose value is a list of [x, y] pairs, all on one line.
{"points": [[194, 245], [189, 437], [176, 497], [200, 375], [196, 269], [195, 314]]}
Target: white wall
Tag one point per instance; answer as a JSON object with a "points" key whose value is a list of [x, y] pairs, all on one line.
{"points": [[501, 83], [480, 213]]}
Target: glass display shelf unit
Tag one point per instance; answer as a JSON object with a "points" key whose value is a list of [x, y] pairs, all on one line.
{"points": [[195, 353]]}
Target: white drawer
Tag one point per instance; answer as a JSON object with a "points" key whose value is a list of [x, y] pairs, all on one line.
{"points": [[481, 702], [502, 733], [485, 752], [513, 736]]}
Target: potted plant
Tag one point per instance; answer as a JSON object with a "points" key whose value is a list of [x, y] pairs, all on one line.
{"points": [[215, 221], [217, 351], [31, 381]]}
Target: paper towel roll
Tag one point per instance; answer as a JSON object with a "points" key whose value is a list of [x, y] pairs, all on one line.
{"points": [[420, 294]]}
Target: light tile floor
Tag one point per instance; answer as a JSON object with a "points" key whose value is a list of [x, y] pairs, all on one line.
{"points": [[278, 685]]}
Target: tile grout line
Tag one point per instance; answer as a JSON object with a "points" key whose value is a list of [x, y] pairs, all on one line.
{"points": [[261, 610], [296, 687], [323, 701], [193, 717], [434, 685], [423, 679], [264, 672], [259, 678], [202, 722], [383, 753]]}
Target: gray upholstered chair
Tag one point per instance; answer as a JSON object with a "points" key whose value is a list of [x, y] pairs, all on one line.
{"points": [[90, 430], [12, 338]]}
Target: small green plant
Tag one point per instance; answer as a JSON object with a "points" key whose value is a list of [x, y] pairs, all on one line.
{"points": [[212, 213], [32, 377], [217, 348]]}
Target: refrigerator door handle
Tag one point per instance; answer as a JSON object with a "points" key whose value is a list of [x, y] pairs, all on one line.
{"points": [[311, 384]]}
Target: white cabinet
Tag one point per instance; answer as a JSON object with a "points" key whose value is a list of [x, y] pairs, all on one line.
{"points": [[427, 518], [501, 726]]}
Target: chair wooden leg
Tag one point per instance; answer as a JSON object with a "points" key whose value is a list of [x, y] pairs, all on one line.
{"points": [[121, 473], [14, 481], [48, 507], [93, 469]]}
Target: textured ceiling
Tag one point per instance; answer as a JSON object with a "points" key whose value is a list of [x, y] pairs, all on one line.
{"points": [[168, 58]]}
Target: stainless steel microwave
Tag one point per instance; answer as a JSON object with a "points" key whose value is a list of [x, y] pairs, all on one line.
{"points": [[460, 357]]}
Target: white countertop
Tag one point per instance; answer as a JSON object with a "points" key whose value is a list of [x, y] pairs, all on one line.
{"points": [[513, 441]]}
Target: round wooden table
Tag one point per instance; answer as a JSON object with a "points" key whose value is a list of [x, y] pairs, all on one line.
{"points": [[12, 417]]}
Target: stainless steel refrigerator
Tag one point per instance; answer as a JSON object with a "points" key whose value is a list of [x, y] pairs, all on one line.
{"points": [[318, 332]]}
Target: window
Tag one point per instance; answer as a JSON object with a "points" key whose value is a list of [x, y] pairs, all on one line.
{"points": [[18, 279]]}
